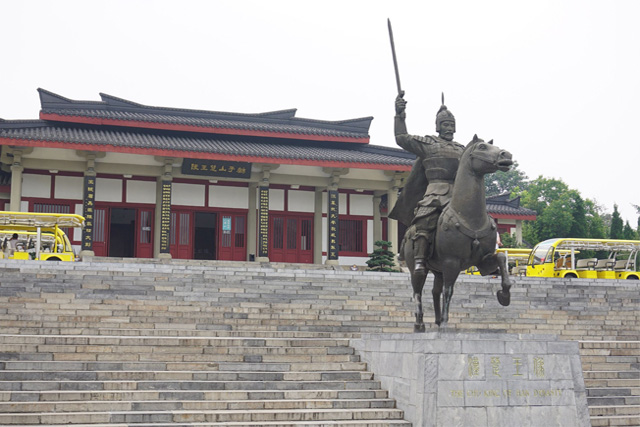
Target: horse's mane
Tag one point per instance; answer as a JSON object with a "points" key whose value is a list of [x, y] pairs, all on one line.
{"points": [[475, 140], [470, 145]]}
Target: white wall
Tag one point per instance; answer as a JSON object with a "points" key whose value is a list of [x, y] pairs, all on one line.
{"points": [[361, 204], [68, 187], [228, 197], [108, 190], [36, 185], [187, 194], [141, 191], [301, 201], [276, 199]]}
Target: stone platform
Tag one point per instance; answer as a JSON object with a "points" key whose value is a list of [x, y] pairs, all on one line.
{"points": [[480, 379]]}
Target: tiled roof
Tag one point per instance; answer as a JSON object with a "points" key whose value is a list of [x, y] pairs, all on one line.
{"points": [[117, 111], [502, 205], [139, 140]]}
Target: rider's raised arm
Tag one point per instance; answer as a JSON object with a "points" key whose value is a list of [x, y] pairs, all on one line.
{"points": [[400, 126], [412, 143]]}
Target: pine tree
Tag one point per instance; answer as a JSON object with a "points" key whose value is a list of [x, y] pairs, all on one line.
{"points": [[616, 225], [628, 232], [382, 257]]}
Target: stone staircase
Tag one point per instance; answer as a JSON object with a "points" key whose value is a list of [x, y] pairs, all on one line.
{"points": [[612, 377], [148, 343], [170, 345]]}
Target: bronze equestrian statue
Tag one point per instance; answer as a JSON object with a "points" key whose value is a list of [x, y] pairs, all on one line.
{"points": [[443, 204]]}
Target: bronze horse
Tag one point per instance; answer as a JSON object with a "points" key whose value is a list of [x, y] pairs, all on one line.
{"points": [[466, 234]]}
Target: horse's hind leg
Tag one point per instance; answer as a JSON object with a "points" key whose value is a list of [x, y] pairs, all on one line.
{"points": [[417, 282], [436, 292], [449, 275]]}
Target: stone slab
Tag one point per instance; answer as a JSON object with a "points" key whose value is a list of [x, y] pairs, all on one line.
{"points": [[487, 379]]}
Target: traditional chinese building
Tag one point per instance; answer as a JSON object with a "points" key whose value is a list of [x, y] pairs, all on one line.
{"points": [[509, 215], [166, 182]]}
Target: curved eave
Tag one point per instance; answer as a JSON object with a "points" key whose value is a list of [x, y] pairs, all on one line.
{"points": [[107, 148], [200, 129], [512, 216]]}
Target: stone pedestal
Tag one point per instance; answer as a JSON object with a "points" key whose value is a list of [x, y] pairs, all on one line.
{"points": [[480, 379]]}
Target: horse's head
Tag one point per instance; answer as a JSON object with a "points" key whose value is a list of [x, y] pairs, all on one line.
{"points": [[487, 158]]}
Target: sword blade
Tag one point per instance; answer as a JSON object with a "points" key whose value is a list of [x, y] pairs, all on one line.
{"points": [[395, 59]]}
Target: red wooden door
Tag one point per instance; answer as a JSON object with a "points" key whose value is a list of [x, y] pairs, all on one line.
{"points": [[181, 246], [100, 231], [233, 237], [144, 234], [291, 239]]}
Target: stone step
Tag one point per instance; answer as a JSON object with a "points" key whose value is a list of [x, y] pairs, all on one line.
{"points": [[614, 391], [231, 354], [191, 405], [164, 375], [325, 423], [613, 400], [186, 416], [49, 341], [118, 362], [58, 366], [598, 411], [592, 375], [184, 395], [186, 385], [197, 328], [151, 331], [616, 420], [611, 383]]}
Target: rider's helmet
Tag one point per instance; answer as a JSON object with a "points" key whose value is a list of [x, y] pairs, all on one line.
{"points": [[444, 115]]}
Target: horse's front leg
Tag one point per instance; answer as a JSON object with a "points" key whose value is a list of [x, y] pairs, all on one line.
{"points": [[504, 296], [436, 291], [450, 272]]}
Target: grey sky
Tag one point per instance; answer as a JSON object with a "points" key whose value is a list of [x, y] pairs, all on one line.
{"points": [[555, 82]]}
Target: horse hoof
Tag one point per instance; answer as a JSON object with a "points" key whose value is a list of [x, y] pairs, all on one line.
{"points": [[419, 328], [504, 298]]}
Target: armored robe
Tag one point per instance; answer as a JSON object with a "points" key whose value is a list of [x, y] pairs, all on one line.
{"points": [[428, 189]]}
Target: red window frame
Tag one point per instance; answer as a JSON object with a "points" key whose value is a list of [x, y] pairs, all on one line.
{"points": [[352, 236]]}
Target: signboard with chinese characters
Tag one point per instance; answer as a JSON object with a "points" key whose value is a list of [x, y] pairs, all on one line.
{"points": [[263, 222], [88, 211], [219, 168], [333, 225], [165, 217]]}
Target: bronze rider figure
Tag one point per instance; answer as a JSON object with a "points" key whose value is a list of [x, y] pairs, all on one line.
{"points": [[428, 188]]}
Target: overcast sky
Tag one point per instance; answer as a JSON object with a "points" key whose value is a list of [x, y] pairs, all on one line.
{"points": [[554, 82]]}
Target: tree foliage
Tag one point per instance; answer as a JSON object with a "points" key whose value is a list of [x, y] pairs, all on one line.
{"points": [[509, 241], [513, 181], [382, 258], [561, 212], [629, 233], [616, 231], [596, 227]]}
